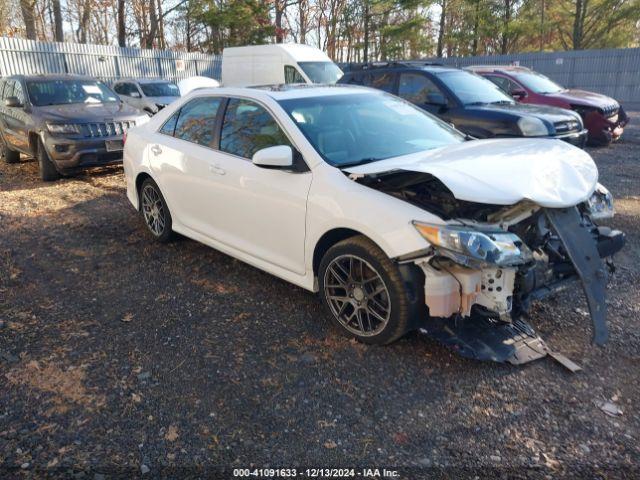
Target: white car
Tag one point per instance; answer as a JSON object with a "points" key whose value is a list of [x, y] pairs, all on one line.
{"points": [[148, 94], [394, 217]]}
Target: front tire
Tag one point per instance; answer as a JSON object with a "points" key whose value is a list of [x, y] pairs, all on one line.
{"points": [[48, 172], [364, 292], [155, 212], [8, 155]]}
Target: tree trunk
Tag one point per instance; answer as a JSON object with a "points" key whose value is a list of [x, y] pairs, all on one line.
{"points": [[302, 12], [441, 30], [58, 34], [161, 38], [279, 7], [153, 26], [365, 54], [578, 23], [504, 44], [122, 29], [476, 29], [29, 16], [83, 26]]}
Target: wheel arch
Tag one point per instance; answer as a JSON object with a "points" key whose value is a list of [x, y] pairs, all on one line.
{"points": [[140, 178], [34, 137], [329, 239]]}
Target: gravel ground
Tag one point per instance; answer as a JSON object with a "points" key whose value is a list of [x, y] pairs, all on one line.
{"points": [[123, 357]]}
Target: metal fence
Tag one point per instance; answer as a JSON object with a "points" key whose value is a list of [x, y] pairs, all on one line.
{"points": [[612, 72], [19, 56], [615, 73]]}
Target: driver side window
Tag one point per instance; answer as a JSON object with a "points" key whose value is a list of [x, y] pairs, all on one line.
{"points": [[415, 88]]}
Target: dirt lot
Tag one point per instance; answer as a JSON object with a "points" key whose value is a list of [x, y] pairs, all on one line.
{"points": [[119, 356]]}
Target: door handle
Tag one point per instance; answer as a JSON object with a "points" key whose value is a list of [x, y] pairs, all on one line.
{"points": [[213, 168], [156, 150]]}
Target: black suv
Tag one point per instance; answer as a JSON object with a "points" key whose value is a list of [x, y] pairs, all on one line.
{"points": [[66, 122], [474, 105]]}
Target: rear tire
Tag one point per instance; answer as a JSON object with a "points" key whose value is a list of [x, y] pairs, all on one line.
{"points": [[155, 212], [8, 155], [364, 292], [48, 171]]}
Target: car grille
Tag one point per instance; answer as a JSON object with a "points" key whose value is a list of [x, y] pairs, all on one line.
{"points": [[567, 126], [610, 110], [106, 129]]}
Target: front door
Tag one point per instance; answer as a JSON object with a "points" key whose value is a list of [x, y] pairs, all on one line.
{"points": [[16, 119], [263, 210]]}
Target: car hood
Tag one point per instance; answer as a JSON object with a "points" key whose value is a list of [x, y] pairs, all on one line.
{"points": [[545, 112], [582, 97], [550, 173], [87, 112], [162, 100]]}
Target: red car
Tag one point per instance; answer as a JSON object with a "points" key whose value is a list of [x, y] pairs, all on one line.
{"points": [[603, 117]]}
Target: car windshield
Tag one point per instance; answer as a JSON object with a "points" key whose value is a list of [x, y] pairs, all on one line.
{"points": [[472, 89], [61, 92], [361, 128], [321, 72], [160, 89], [538, 83]]}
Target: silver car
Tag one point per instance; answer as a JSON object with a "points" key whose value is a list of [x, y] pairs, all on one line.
{"points": [[148, 94]]}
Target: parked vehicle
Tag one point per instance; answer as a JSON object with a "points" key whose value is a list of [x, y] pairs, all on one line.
{"points": [[148, 94], [474, 105], [67, 122], [603, 116], [277, 64], [385, 210], [187, 85]]}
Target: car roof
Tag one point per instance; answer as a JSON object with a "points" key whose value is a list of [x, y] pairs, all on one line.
{"points": [[413, 65], [143, 80], [287, 91], [497, 68], [51, 76]]}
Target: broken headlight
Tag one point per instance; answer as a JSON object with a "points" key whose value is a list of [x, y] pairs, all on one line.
{"points": [[600, 204], [497, 248]]}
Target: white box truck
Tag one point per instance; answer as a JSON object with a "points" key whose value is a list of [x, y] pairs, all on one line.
{"points": [[277, 64]]}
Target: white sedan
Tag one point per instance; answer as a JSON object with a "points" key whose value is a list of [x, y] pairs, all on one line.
{"points": [[393, 216]]}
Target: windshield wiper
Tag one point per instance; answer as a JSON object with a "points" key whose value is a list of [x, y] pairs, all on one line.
{"points": [[502, 102], [362, 161]]}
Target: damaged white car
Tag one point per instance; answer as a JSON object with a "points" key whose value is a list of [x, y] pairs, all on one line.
{"points": [[394, 217]]}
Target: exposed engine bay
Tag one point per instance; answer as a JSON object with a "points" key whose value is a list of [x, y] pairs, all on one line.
{"points": [[491, 261]]}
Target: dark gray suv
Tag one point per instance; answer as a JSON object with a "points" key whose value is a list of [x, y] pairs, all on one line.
{"points": [[67, 122]]}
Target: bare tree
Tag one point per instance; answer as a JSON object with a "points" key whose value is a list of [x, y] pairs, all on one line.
{"points": [[122, 25], [28, 9], [58, 34], [442, 28]]}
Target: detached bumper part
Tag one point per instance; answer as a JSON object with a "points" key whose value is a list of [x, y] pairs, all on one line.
{"points": [[484, 339], [584, 254]]}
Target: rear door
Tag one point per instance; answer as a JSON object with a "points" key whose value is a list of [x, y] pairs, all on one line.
{"points": [[182, 154]]}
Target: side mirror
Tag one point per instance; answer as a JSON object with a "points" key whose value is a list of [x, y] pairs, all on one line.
{"points": [[13, 102], [436, 99], [135, 94], [518, 94], [280, 156]]}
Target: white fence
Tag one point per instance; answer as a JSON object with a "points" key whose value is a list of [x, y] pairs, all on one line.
{"points": [[19, 56]]}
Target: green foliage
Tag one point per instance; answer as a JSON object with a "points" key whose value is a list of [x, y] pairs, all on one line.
{"points": [[237, 22]]}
